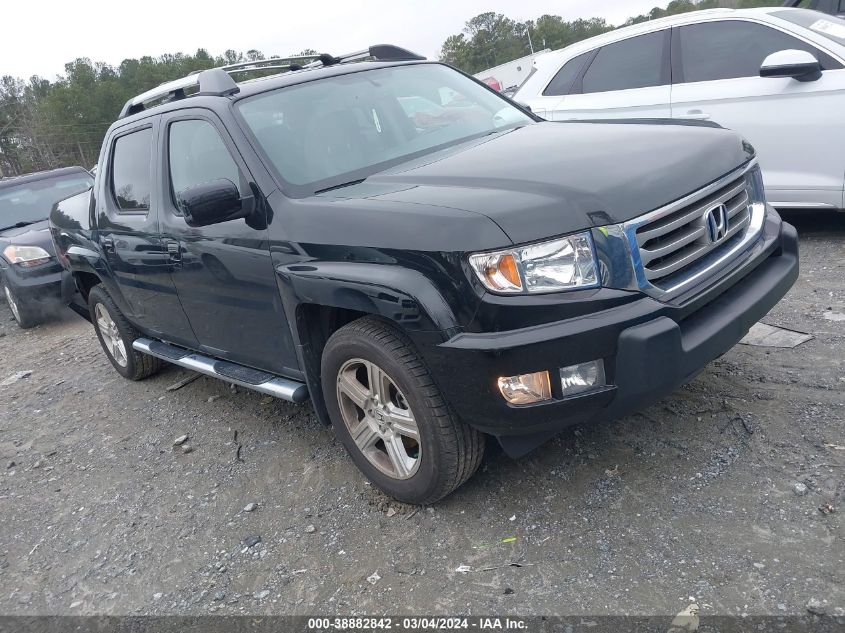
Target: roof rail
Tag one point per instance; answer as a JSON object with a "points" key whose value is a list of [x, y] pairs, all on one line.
{"points": [[210, 82], [218, 82]]}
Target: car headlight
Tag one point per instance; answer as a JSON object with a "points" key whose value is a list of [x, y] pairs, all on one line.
{"points": [[757, 191], [566, 263], [26, 255]]}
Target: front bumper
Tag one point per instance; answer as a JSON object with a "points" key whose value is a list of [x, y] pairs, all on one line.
{"points": [[40, 284], [649, 348]]}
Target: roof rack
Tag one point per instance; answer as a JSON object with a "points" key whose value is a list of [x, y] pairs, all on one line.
{"points": [[218, 81]]}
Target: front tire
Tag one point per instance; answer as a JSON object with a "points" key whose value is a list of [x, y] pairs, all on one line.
{"points": [[392, 418], [24, 315], [116, 336]]}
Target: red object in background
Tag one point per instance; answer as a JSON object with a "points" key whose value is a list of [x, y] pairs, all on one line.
{"points": [[493, 83]]}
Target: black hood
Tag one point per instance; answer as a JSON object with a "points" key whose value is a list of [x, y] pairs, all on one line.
{"points": [[549, 178], [37, 234]]}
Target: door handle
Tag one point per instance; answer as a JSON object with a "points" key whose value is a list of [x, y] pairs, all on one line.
{"points": [[174, 251], [697, 115], [107, 244]]}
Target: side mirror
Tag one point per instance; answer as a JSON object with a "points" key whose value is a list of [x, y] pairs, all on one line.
{"points": [[799, 65], [211, 203]]}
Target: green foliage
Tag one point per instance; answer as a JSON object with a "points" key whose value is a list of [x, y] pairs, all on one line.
{"points": [[44, 124], [491, 39]]}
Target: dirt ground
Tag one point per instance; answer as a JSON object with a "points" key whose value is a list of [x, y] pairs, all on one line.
{"points": [[728, 494]]}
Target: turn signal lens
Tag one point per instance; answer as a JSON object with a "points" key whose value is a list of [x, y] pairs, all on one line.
{"points": [[526, 388], [507, 269], [498, 271]]}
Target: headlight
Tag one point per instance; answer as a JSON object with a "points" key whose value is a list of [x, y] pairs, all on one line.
{"points": [[26, 255], [566, 263], [755, 179]]}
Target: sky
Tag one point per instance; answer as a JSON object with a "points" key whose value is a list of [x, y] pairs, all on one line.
{"points": [[113, 30]]}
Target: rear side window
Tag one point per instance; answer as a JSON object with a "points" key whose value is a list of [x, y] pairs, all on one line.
{"points": [[131, 170], [198, 155], [565, 77], [827, 26], [730, 49], [634, 63]]}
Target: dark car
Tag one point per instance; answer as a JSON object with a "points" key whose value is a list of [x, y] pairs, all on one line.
{"points": [[488, 273], [30, 273]]}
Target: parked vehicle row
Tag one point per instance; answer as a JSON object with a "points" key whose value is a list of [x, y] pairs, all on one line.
{"points": [[775, 75], [424, 260]]}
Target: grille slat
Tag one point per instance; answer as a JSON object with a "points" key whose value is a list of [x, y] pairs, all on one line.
{"points": [[654, 252], [740, 205], [674, 264], [674, 242], [644, 236], [737, 226]]}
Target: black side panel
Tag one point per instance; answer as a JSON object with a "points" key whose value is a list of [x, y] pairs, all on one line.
{"points": [[138, 268], [223, 272]]}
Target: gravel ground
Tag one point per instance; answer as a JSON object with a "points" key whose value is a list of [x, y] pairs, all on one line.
{"points": [[728, 494]]}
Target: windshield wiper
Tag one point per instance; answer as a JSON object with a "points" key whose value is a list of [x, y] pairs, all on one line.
{"points": [[19, 225], [340, 186]]}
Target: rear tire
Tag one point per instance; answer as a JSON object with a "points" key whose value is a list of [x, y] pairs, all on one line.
{"points": [[407, 440], [116, 336], [24, 315]]}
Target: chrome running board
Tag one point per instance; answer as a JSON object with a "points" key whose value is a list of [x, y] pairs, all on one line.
{"points": [[246, 377]]}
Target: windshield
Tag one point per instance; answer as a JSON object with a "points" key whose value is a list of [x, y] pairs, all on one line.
{"points": [[329, 132], [825, 25], [32, 201]]}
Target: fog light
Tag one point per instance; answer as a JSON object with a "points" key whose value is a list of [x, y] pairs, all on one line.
{"points": [[527, 388], [580, 378]]}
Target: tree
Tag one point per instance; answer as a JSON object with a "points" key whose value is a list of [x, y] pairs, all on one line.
{"points": [[46, 124], [488, 39]]}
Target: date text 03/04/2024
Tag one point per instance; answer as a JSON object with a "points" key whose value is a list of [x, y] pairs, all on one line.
{"points": [[416, 624]]}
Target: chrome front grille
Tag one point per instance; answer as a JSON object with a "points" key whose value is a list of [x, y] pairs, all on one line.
{"points": [[670, 244], [686, 242]]}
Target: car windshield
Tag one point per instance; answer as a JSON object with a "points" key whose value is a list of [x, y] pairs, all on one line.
{"points": [[326, 133], [32, 201], [828, 26]]}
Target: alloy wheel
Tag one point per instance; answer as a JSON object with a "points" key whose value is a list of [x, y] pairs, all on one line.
{"points": [[378, 418], [112, 339]]}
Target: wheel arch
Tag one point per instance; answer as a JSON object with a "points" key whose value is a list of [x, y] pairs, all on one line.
{"points": [[89, 269], [324, 298], [85, 282]]}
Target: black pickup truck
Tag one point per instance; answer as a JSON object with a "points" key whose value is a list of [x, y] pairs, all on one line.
{"points": [[423, 259]]}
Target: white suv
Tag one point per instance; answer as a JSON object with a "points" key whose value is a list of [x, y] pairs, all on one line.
{"points": [[775, 75]]}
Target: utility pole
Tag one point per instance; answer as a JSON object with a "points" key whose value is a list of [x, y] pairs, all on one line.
{"points": [[530, 43]]}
